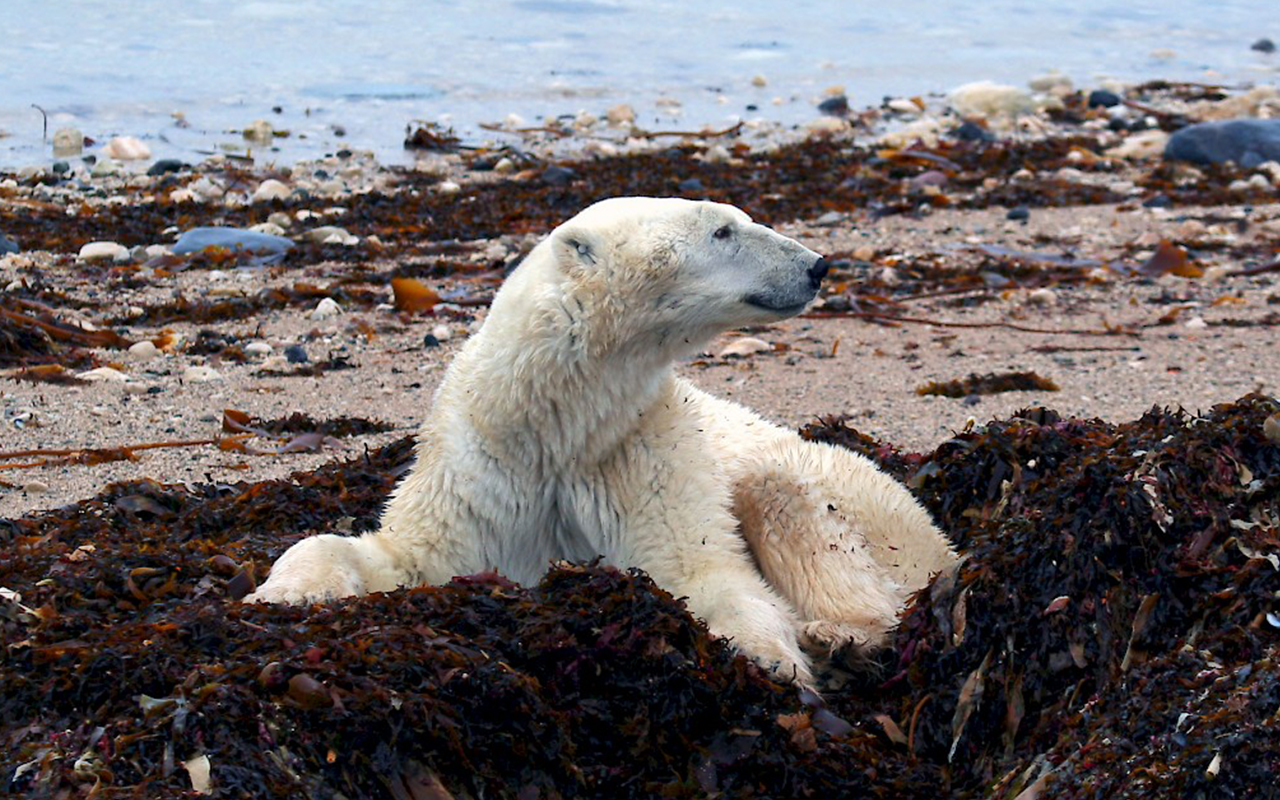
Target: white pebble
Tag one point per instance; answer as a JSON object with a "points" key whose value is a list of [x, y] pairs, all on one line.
{"points": [[35, 487], [759, 81], [106, 374], [326, 309], [449, 187], [271, 189], [257, 349], [101, 251], [127, 148], [1195, 324], [143, 351], [68, 142], [1042, 297], [442, 332], [201, 374], [744, 347]]}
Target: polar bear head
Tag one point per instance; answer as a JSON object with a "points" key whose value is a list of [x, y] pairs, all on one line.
{"points": [[667, 273]]}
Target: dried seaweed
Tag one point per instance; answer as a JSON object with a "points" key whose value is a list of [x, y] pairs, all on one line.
{"points": [[991, 383], [1113, 633]]}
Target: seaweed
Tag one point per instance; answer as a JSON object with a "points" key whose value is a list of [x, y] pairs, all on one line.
{"points": [[991, 383], [1112, 633]]}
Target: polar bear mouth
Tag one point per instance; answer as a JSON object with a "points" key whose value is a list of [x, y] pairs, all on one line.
{"points": [[773, 306]]}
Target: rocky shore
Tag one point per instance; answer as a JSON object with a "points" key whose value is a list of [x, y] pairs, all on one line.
{"points": [[219, 358]]}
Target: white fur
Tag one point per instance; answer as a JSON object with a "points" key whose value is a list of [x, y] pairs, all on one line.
{"points": [[561, 432]]}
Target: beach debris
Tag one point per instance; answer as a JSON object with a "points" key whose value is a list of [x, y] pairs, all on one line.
{"points": [[325, 309], [991, 383], [431, 137], [1170, 259]]}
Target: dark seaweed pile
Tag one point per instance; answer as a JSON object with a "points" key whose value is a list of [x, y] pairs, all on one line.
{"points": [[1113, 632], [991, 383]]}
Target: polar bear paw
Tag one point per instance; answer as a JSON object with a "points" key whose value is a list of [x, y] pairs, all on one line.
{"points": [[314, 570]]}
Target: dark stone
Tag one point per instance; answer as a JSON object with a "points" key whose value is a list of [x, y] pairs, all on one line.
{"points": [[1118, 124], [752, 107], [690, 185], [835, 106], [296, 354], [558, 176], [271, 248], [1247, 142], [166, 165], [8, 245], [61, 168], [344, 153], [972, 400], [1263, 45], [322, 174], [429, 341], [1018, 214], [1101, 98], [970, 131], [90, 159], [154, 390], [1160, 200]]}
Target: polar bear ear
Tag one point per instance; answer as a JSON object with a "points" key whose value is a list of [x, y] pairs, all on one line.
{"points": [[578, 246]]}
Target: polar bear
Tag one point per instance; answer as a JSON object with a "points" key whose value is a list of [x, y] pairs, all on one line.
{"points": [[560, 431]]}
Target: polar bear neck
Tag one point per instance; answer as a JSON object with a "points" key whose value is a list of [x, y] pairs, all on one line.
{"points": [[540, 390]]}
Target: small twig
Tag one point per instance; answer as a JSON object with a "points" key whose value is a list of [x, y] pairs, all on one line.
{"points": [[561, 132], [729, 131], [946, 324], [45, 115], [1273, 266], [77, 451], [915, 715]]}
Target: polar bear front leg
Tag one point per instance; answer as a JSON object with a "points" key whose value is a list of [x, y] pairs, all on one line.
{"points": [[325, 567], [664, 507]]}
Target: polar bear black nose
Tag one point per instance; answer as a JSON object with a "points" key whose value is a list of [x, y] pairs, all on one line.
{"points": [[818, 271]]}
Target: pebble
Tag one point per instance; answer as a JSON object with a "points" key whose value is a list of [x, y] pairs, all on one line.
{"points": [[620, 115], [269, 228], [102, 251], [829, 219], [429, 341], [166, 165], [200, 374], [143, 351], [932, 177], [1018, 214], [1042, 297], [442, 332], [504, 166], [1263, 45], [990, 100], [1052, 83], [690, 185], [271, 189], [135, 388], [105, 168], [127, 148], [68, 142], [864, 252], [8, 245], [106, 374], [1247, 142], [259, 132], [827, 126], [903, 107], [448, 187], [35, 487], [60, 168], [326, 309], [1141, 145], [1195, 324], [331, 234], [745, 347], [197, 239], [970, 131], [296, 354], [281, 220], [837, 106], [717, 154], [257, 349], [555, 175], [1101, 98]]}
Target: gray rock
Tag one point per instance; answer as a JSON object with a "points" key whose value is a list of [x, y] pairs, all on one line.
{"points": [[166, 165], [8, 245], [296, 353], [1247, 142], [270, 249]]}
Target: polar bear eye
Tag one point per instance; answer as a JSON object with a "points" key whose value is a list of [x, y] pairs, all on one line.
{"points": [[723, 233]]}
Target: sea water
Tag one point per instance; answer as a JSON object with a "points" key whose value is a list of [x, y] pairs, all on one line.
{"points": [[187, 76]]}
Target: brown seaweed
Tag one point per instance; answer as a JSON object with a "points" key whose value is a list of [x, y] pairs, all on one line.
{"points": [[991, 383]]}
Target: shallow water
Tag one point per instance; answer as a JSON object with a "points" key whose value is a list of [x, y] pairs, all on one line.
{"points": [[358, 72]]}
